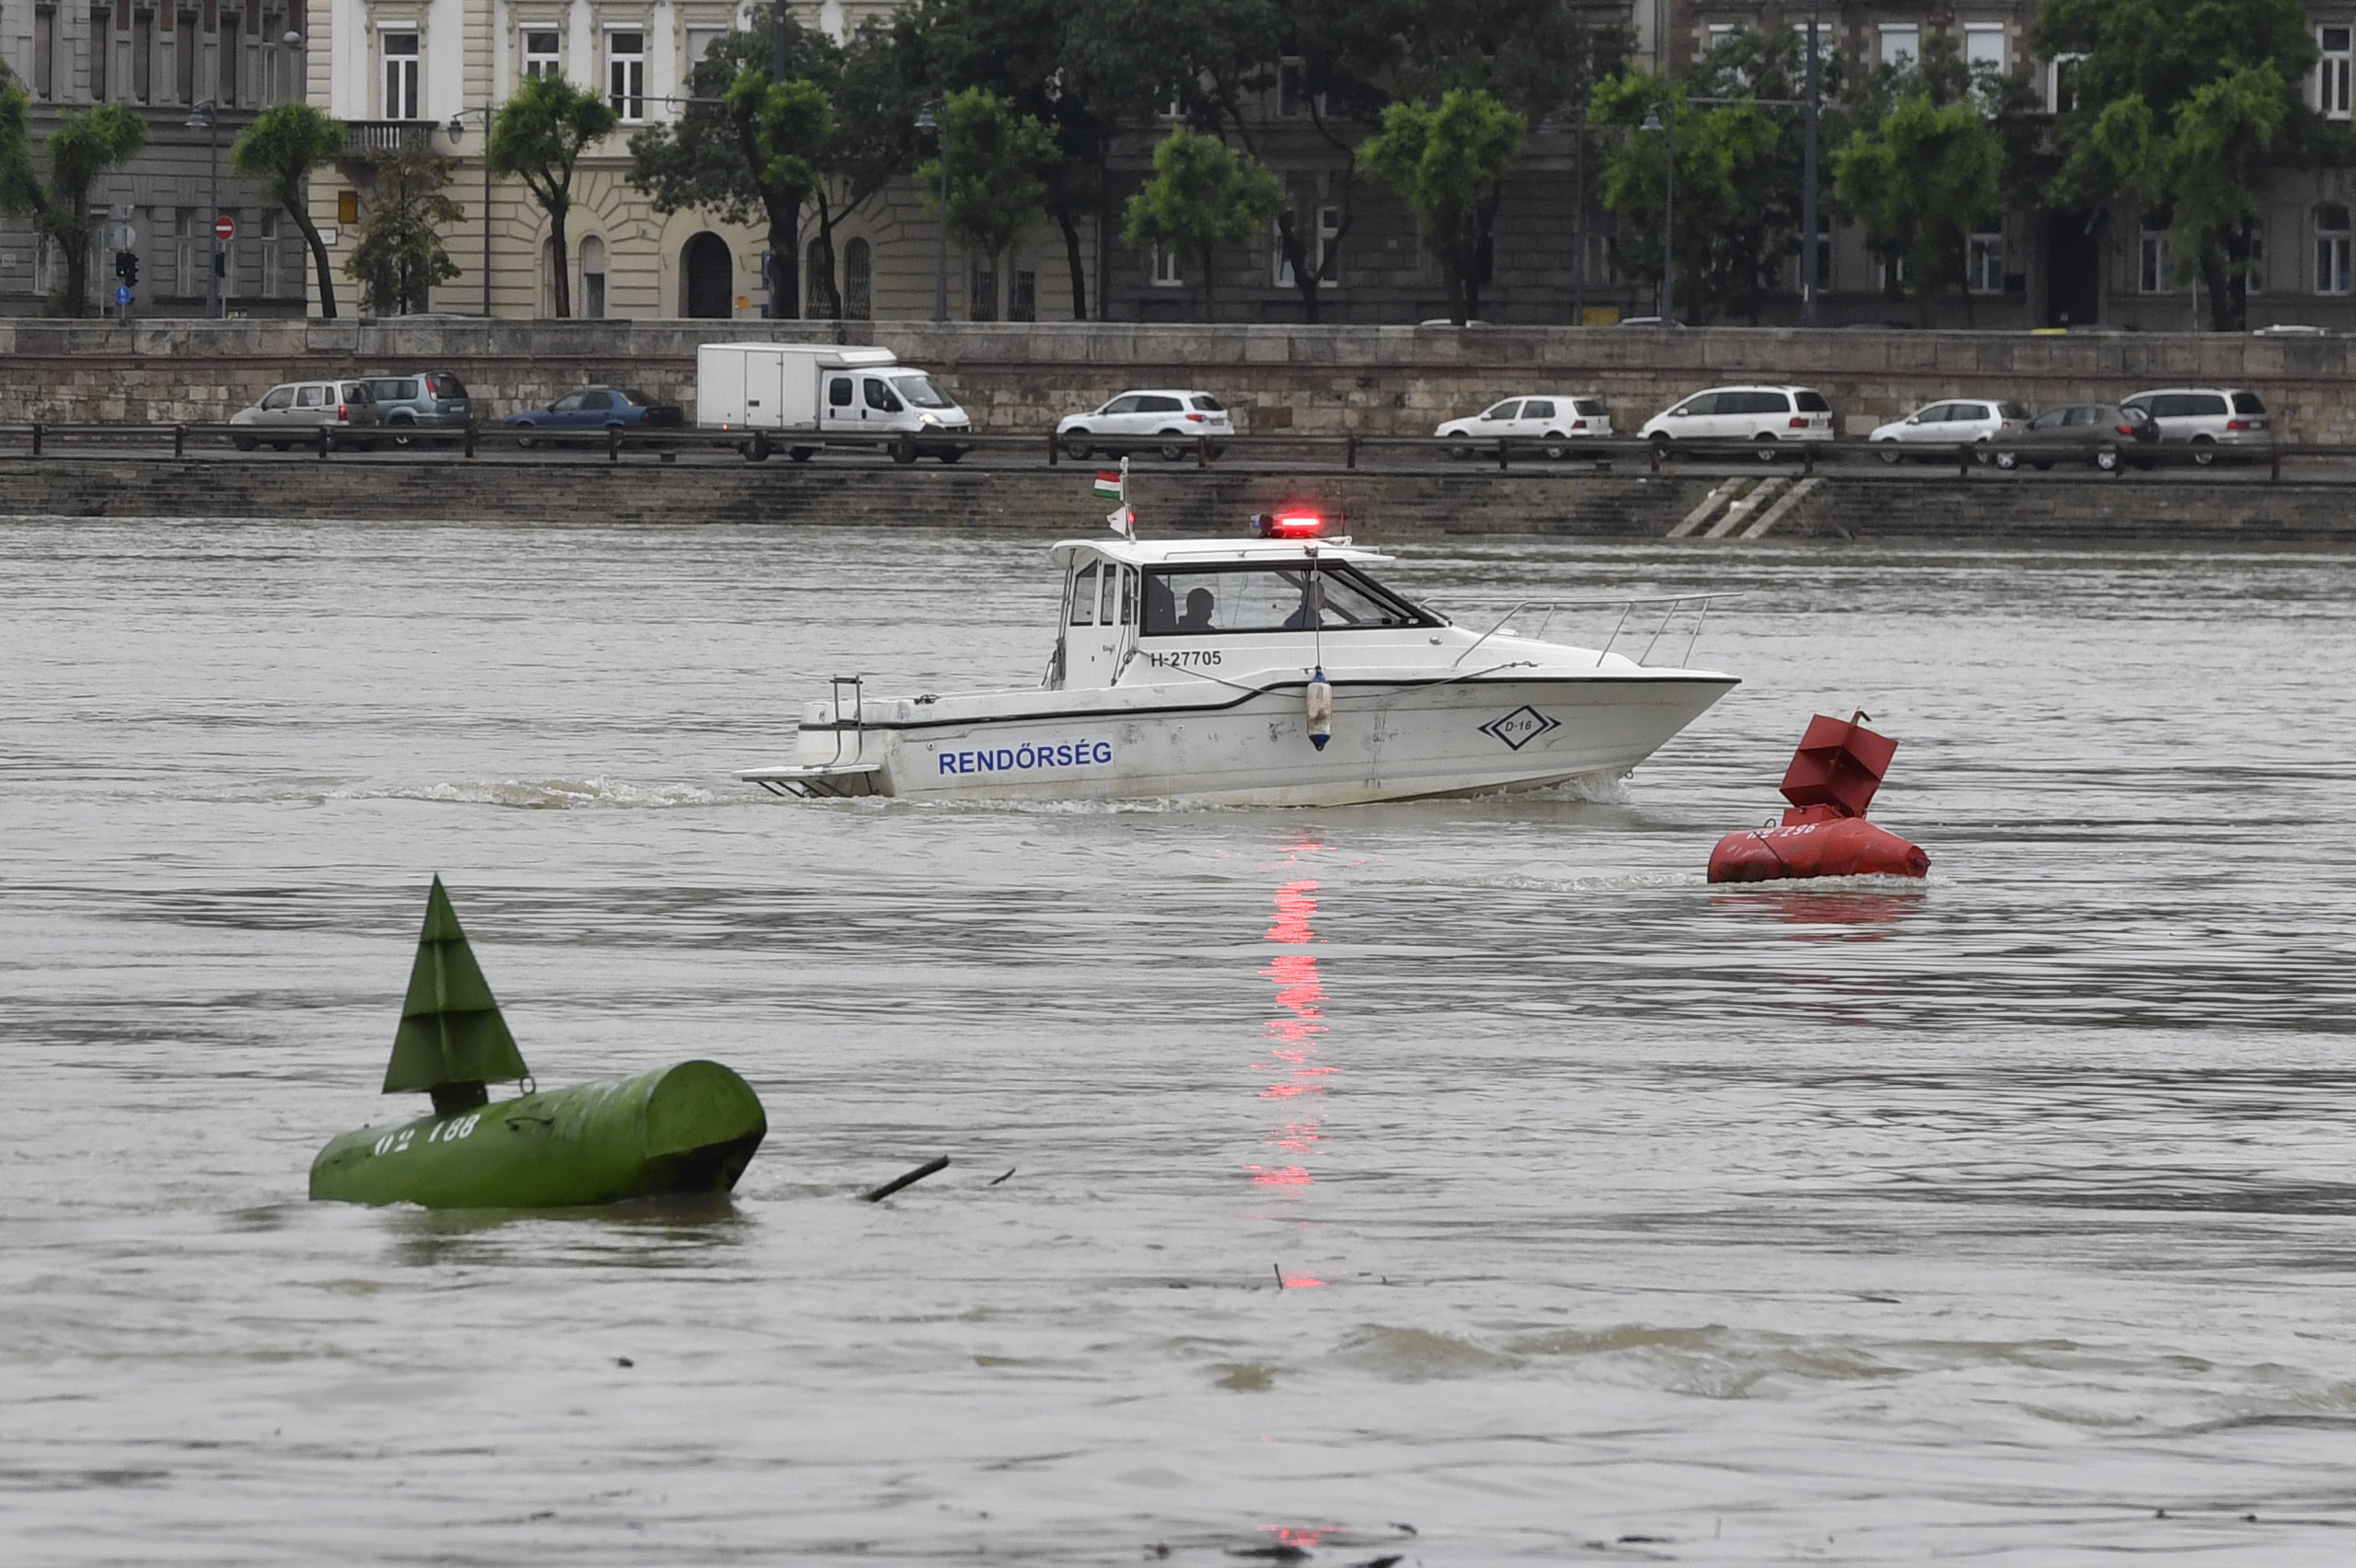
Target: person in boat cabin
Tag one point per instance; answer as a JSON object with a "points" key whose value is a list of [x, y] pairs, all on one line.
{"points": [[1198, 611]]}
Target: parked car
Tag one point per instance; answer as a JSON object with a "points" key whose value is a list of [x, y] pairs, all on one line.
{"points": [[2210, 418], [1765, 416], [1167, 420], [1556, 419], [2102, 433], [597, 408], [1948, 426], [297, 410], [426, 400]]}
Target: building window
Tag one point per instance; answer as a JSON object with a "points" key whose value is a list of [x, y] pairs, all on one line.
{"points": [[2331, 249], [2061, 84], [2254, 270], [1983, 48], [699, 42], [232, 52], [2331, 71], [2152, 262], [1164, 266], [626, 75], [49, 266], [45, 53], [1022, 296], [1718, 34], [593, 279], [1889, 273], [273, 261], [1329, 229], [1983, 264], [540, 53], [184, 58], [1901, 47], [142, 56], [859, 280], [101, 51], [981, 296], [1292, 90], [401, 73], [189, 259]]}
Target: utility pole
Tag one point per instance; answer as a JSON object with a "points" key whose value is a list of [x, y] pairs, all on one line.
{"points": [[1809, 238]]}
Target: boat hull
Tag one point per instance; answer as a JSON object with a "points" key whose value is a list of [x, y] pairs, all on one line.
{"points": [[1392, 740]]}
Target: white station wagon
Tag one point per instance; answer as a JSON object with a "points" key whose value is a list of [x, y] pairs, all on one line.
{"points": [[1973, 421], [1556, 419], [1169, 420], [1766, 416]]}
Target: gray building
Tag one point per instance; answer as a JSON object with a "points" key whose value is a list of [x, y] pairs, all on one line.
{"points": [[163, 58]]}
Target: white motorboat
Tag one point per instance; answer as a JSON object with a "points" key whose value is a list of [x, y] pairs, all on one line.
{"points": [[1269, 671]]}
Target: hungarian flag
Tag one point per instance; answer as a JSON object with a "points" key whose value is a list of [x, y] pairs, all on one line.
{"points": [[1108, 486]]}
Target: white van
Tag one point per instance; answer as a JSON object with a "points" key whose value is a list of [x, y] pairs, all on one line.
{"points": [[817, 395], [1766, 416]]}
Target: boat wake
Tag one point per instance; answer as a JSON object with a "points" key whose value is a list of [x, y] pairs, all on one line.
{"points": [[548, 794]]}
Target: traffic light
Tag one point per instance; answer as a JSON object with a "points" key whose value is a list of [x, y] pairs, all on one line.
{"points": [[126, 263]]}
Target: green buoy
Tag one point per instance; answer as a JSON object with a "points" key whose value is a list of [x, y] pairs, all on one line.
{"points": [[688, 1128]]}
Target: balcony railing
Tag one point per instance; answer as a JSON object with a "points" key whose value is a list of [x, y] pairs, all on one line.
{"points": [[366, 140]]}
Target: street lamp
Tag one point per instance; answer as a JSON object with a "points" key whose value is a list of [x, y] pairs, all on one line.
{"points": [[206, 116], [1807, 179], [1668, 214], [457, 131], [927, 123]]}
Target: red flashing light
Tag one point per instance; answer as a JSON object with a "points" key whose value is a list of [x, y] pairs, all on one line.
{"points": [[1286, 525]]}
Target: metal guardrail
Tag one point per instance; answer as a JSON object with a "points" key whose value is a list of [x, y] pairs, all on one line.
{"points": [[1569, 458]]}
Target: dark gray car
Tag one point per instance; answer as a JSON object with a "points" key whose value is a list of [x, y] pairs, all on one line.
{"points": [[424, 401], [2100, 433]]}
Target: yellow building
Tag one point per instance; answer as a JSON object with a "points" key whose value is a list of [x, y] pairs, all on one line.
{"points": [[428, 72]]}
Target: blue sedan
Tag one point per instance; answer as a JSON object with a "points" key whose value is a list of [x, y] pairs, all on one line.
{"points": [[598, 408]]}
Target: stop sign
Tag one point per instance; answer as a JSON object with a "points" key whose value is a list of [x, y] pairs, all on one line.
{"points": [[225, 227]]}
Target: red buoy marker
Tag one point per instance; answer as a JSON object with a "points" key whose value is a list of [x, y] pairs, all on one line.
{"points": [[1831, 780]]}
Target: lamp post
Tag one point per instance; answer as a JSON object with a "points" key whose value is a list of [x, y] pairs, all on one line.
{"points": [[1668, 214], [1811, 241], [929, 123], [457, 131], [206, 116]]}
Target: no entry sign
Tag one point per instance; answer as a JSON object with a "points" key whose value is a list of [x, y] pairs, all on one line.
{"points": [[225, 227]]}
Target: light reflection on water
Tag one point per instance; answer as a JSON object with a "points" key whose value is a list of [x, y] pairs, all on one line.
{"points": [[1989, 1215]]}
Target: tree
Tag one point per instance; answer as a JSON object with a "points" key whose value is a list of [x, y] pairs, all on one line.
{"points": [[785, 127], [998, 163], [1448, 161], [539, 136], [2183, 106], [86, 143], [1924, 182], [278, 152], [1201, 196], [400, 256]]}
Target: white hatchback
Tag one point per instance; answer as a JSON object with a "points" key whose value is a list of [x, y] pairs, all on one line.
{"points": [[1971, 421], [1767, 417], [1169, 420], [2207, 417], [1553, 418]]}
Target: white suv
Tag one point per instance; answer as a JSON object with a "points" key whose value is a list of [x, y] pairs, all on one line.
{"points": [[1554, 419], [1766, 416], [1134, 421], [1946, 426], [2208, 417]]}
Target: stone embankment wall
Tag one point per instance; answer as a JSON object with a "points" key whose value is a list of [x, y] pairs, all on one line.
{"points": [[1022, 376], [2056, 510]]}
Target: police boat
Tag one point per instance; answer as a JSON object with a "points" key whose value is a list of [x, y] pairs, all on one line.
{"points": [[1269, 670]]}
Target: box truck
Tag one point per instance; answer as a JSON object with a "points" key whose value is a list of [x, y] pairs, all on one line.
{"points": [[802, 397]]}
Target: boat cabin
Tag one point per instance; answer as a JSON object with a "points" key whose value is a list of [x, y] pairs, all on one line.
{"points": [[1176, 601]]}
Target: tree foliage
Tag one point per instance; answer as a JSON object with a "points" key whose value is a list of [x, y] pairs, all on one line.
{"points": [[400, 256], [86, 143], [998, 163], [2183, 106], [1923, 181], [1202, 196], [1447, 160], [539, 136], [278, 152]]}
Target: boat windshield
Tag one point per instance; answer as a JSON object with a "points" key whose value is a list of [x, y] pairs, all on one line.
{"points": [[1199, 601], [918, 389]]}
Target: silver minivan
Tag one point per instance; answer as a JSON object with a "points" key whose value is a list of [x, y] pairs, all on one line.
{"points": [[296, 412], [2208, 417], [423, 401]]}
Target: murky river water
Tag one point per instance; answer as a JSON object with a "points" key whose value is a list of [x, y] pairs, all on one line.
{"points": [[2012, 1216]]}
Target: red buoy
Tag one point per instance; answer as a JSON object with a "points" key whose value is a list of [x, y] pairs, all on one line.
{"points": [[1831, 780]]}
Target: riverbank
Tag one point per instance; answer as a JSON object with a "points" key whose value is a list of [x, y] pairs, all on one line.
{"points": [[1021, 376], [2176, 508]]}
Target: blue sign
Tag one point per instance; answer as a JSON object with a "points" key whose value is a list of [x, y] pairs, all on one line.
{"points": [[122, 294]]}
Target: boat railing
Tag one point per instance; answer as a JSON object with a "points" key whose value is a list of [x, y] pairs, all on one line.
{"points": [[856, 684], [1672, 608]]}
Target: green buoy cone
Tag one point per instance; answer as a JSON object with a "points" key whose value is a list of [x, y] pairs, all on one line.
{"points": [[688, 1128]]}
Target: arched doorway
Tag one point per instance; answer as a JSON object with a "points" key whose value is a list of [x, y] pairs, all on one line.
{"points": [[707, 278], [859, 280], [591, 304]]}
